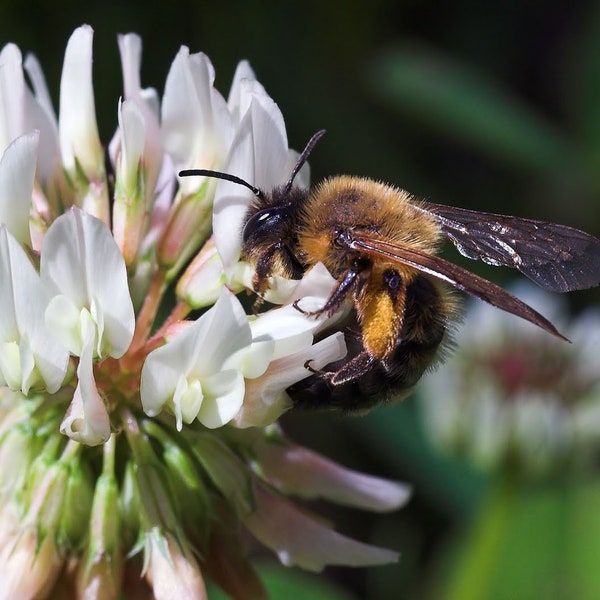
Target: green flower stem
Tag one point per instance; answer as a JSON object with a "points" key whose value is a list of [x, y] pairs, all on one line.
{"points": [[108, 457], [179, 313], [532, 540], [147, 314], [477, 566]]}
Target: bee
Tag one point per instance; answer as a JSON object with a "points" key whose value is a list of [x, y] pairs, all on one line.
{"points": [[382, 246]]}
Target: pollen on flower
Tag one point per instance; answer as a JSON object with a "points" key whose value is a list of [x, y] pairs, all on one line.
{"points": [[134, 423]]}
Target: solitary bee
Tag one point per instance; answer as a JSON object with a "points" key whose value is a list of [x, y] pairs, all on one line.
{"points": [[381, 245]]}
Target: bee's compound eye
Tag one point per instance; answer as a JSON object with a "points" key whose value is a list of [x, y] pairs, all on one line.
{"points": [[264, 221], [392, 280]]}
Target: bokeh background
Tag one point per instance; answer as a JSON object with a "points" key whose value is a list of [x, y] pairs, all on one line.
{"points": [[492, 106]]}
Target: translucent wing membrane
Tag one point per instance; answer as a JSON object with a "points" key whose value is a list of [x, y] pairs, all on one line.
{"points": [[556, 257], [456, 276]]}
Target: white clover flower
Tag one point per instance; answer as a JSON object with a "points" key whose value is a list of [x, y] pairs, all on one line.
{"points": [[126, 428], [81, 151], [513, 392], [29, 356], [84, 270], [200, 383], [181, 375], [265, 399], [148, 104], [136, 153], [196, 123]]}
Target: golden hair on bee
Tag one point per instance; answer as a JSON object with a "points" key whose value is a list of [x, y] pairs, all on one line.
{"points": [[381, 245], [388, 210]]}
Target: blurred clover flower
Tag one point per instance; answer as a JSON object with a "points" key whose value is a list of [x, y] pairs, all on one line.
{"points": [[133, 446], [513, 396]]}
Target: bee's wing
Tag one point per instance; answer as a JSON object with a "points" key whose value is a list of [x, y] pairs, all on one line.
{"points": [[556, 257], [456, 276]]}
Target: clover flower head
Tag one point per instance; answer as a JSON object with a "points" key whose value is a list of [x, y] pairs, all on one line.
{"points": [[136, 440], [513, 395]]}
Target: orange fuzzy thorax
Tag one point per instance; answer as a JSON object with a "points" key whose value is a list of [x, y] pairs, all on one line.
{"points": [[354, 202]]}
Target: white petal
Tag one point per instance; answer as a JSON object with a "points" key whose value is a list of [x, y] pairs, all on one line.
{"points": [[270, 144], [317, 283], [232, 200], [198, 352], [17, 171], [243, 72], [23, 300], [300, 540], [290, 369], [81, 260], [193, 134], [296, 470], [253, 360], [187, 400], [186, 105], [266, 400], [86, 420], [130, 49], [224, 393], [43, 118], [11, 262], [288, 327], [78, 130], [40, 88], [63, 319], [133, 137], [159, 382], [203, 347], [224, 332], [13, 91], [10, 365], [258, 155]]}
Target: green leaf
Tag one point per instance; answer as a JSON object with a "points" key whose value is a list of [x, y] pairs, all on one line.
{"points": [[530, 541], [463, 103]]}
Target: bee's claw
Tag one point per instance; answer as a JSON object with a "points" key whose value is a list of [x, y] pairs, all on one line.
{"points": [[318, 372], [311, 369], [308, 313]]}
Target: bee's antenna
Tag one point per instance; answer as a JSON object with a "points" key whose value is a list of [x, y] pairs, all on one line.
{"points": [[219, 175], [302, 158]]}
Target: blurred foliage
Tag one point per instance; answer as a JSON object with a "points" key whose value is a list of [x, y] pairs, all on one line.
{"points": [[529, 541], [493, 106]]}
